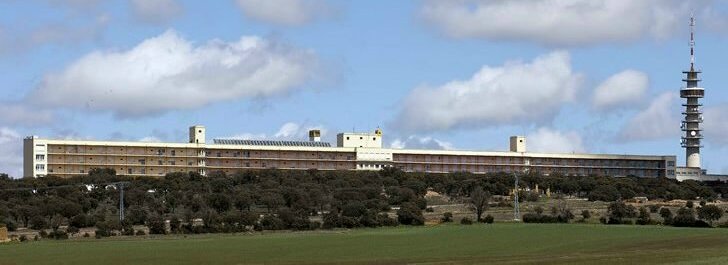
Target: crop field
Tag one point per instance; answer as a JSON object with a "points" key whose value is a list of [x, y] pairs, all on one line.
{"points": [[444, 244]]}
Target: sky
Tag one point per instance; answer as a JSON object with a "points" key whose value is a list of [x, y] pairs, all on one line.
{"points": [[573, 76]]}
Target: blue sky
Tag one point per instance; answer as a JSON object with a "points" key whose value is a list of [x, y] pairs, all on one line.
{"points": [[573, 76]]}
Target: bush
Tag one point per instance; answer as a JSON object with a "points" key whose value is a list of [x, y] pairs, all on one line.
{"points": [[466, 221], [654, 208], [140, 233], [689, 204], [666, 215], [72, 229], [429, 209], [9, 224], [58, 234], [271, 222], [156, 225], [585, 214], [86, 235], [410, 214], [488, 219], [644, 217], [685, 217], [446, 217], [23, 238], [38, 222]]}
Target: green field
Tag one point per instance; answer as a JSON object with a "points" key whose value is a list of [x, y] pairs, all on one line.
{"points": [[449, 244]]}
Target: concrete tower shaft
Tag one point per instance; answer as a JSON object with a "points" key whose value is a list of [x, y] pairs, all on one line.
{"points": [[693, 115]]}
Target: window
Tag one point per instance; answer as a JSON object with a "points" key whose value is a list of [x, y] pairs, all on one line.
{"points": [[40, 167], [670, 163], [39, 157], [173, 152], [347, 138]]}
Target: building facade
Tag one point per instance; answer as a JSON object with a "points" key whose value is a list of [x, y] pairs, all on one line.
{"points": [[354, 151]]}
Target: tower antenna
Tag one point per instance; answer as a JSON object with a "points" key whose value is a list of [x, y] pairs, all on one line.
{"points": [[692, 42]]}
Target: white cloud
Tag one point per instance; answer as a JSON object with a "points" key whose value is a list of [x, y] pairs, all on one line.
{"points": [[623, 89], [417, 142], [658, 121], [156, 11], [168, 72], [716, 124], [285, 12], [21, 114], [11, 152], [516, 92], [566, 22], [546, 140], [20, 39], [150, 139], [288, 131]]}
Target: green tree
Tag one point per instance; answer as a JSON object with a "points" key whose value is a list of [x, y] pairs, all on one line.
{"points": [[666, 215], [479, 200], [710, 213]]}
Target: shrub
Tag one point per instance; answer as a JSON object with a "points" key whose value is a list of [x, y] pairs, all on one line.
{"points": [[86, 235], [644, 217], [466, 221], [38, 222], [585, 214], [654, 208], [488, 219], [446, 217], [271, 222], [429, 209], [156, 225], [689, 204], [666, 215], [140, 233], [685, 217], [23, 238], [410, 214], [72, 230]]}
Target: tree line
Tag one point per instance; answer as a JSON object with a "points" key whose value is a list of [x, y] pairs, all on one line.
{"points": [[274, 199]]}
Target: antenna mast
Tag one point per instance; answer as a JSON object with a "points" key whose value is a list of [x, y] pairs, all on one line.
{"points": [[692, 42]]}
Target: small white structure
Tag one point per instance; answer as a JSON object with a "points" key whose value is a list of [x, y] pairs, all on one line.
{"points": [[368, 140]]}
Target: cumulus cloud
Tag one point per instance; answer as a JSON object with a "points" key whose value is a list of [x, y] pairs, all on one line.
{"points": [[20, 39], [21, 114], [285, 12], [658, 121], [287, 131], [566, 22], [516, 92], [546, 140], [168, 72], [418, 142], [156, 11], [11, 152], [620, 90], [716, 124]]}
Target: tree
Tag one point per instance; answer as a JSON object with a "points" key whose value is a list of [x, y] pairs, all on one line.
{"points": [[479, 199], [618, 211], [585, 214], [644, 216], [689, 204], [156, 225], [410, 214], [446, 217], [219, 202], [710, 213], [685, 217], [666, 215]]}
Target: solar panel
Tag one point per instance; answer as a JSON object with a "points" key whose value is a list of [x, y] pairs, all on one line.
{"points": [[270, 143]]}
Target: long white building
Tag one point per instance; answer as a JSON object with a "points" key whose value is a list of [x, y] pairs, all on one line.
{"points": [[353, 151]]}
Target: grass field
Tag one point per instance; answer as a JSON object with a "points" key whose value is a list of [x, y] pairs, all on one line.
{"points": [[448, 244]]}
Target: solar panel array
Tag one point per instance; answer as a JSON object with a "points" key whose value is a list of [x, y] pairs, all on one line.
{"points": [[271, 143]]}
